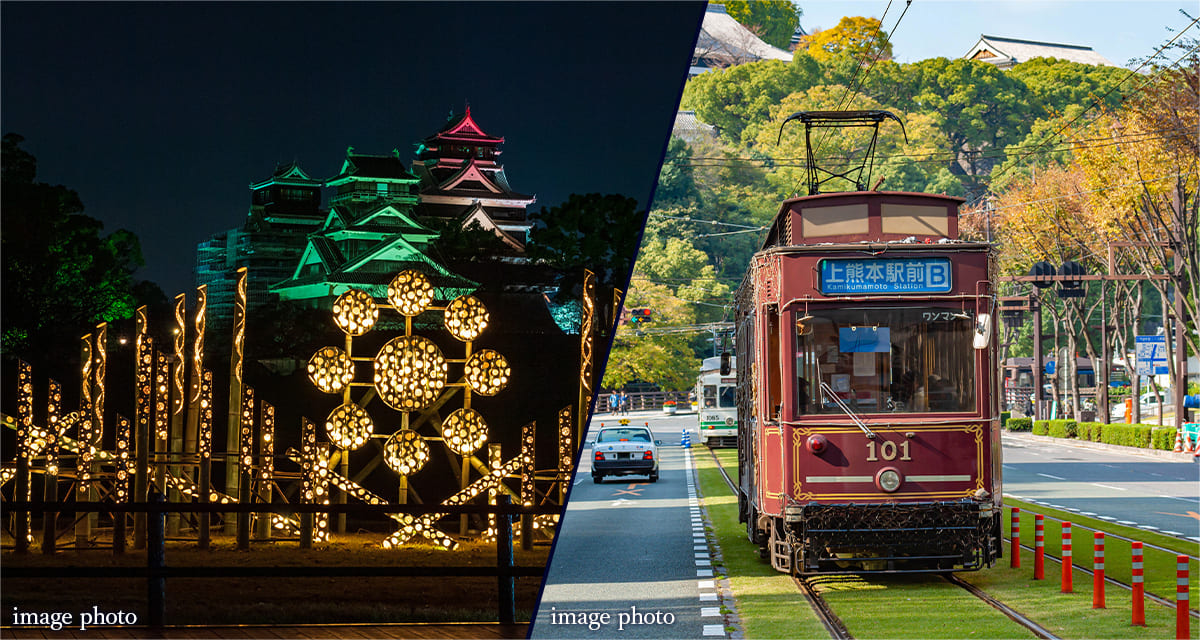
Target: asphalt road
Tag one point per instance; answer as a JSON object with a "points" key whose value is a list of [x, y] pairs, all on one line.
{"points": [[631, 559], [1138, 490]]}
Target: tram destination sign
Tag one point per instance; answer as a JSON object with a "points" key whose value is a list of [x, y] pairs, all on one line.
{"points": [[885, 275]]}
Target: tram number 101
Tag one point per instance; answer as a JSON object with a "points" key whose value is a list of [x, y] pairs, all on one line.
{"points": [[887, 450]]}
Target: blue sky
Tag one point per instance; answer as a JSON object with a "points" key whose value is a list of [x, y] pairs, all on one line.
{"points": [[1116, 29]]}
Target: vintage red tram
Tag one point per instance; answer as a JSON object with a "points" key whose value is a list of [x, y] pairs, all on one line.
{"points": [[868, 417]]}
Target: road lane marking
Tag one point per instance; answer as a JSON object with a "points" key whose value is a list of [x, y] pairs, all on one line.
{"points": [[1046, 475], [714, 630], [1105, 486], [708, 597], [710, 612]]}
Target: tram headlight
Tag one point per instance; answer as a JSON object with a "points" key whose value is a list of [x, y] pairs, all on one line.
{"points": [[888, 479]]}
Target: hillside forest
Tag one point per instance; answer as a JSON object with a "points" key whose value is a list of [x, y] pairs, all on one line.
{"points": [[1056, 161]]}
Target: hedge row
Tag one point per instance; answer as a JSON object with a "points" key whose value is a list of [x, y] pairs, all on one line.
{"points": [[1144, 436]]}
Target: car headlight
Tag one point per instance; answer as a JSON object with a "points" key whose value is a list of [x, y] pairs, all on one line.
{"points": [[888, 479]]}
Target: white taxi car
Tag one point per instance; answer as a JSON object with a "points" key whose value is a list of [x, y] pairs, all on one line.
{"points": [[625, 450]]}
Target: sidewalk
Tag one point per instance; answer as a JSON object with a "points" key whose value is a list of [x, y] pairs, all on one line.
{"points": [[1100, 446]]}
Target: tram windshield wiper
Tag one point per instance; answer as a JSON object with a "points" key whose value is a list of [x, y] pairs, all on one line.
{"points": [[828, 390]]}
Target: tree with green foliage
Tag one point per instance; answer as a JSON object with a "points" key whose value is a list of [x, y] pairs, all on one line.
{"points": [[731, 99], [862, 38], [772, 20], [676, 182], [61, 276], [674, 280]]}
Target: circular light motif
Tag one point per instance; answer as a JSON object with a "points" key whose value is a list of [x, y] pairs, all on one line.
{"points": [[410, 372], [466, 318], [487, 372], [405, 452], [464, 431], [355, 312], [330, 369], [410, 292], [349, 426]]}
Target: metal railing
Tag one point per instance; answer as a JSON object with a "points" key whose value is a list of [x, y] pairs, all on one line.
{"points": [[157, 572]]}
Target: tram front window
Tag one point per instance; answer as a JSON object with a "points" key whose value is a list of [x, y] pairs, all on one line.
{"points": [[885, 360], [728, 397]]}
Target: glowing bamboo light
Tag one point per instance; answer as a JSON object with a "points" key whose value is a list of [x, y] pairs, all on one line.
{"points": [[410, 293], [331, 370], [464, 431], [53, 436], [124, 464], [180, 331], [487, 372], [266, 468], [355, 312], [528, 456], [466, 318], [54, 423], [235, 472], [405, 452], [25, 428], [143, 437], [315, 483], [566, 452], [246, 440], [349, 426], [410, 373], [83, 436], [23, 532], [586, 338], [204, 447], [162, 423], [98, 377]]}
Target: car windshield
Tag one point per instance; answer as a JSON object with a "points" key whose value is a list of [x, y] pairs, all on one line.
{"points": [[617, 435]]}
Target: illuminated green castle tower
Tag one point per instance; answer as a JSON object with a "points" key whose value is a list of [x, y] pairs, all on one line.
{"points": [[369, 234]]}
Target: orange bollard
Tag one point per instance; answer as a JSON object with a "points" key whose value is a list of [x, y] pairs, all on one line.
{"points": [[1139, 589], [1039, 547], [1098, 572], [1067, 581], [1015, 534], [1182, 623]]}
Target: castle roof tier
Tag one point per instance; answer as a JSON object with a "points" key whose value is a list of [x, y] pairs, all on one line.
{"points": [[364, 245], [369, 179], [461, 178]]}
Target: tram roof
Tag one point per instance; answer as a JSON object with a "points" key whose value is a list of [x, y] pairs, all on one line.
{"points": [[857, 216]]}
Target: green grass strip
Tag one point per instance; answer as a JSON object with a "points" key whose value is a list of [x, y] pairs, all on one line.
{"points": [[768, 603], [1158, 566], [899, 606], [1070, 615]]}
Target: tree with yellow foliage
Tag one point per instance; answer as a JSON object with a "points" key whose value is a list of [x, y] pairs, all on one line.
{"points": [[862, 38]]}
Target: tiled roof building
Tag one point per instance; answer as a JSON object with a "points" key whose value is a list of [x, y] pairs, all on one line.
{"points": [[1007, 52]]}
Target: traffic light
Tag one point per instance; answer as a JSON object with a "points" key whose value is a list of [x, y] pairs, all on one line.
{"points": [[640, 316]]}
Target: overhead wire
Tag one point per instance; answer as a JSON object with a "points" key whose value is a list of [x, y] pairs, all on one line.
{"points": [[1098, 101]]}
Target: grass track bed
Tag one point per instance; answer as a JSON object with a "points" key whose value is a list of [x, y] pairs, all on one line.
{"points": [[913, 606]]}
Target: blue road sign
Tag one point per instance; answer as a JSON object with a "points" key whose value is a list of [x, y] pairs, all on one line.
{"points": [[1151, 355]]}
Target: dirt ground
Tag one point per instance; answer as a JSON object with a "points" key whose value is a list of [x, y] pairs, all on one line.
{"points": [[278, 600]]}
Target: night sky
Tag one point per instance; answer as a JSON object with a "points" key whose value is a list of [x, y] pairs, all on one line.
{"points": [[161, 115]]}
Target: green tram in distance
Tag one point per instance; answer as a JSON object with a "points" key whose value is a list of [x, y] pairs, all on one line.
{"points": [[716, 393]]}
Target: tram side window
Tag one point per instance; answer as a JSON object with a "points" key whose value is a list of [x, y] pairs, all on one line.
{"points": [[884, 360]]}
